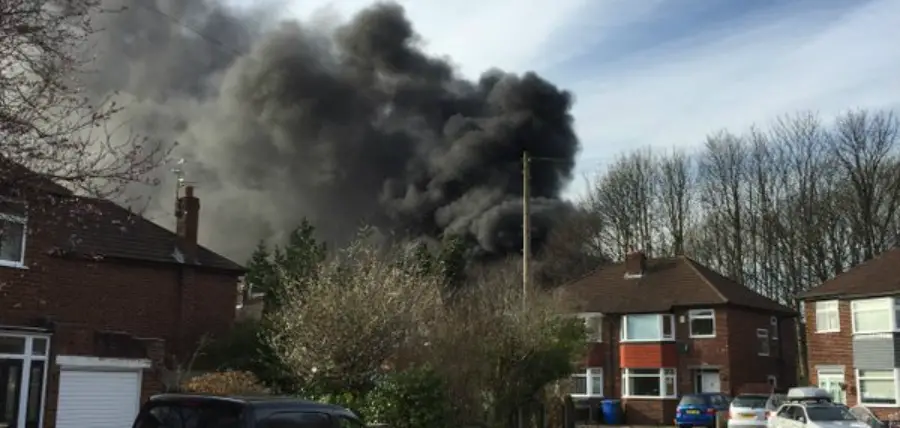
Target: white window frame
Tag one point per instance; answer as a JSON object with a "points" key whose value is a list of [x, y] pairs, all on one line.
{"points": [[23, 220], [763, 334], [891, 305], [894, 377], [664, 374], [588, 375], [833, 374], [593, 336], [828, 308], [662, 319], [27, 357], [701, 314], [775, 326]]}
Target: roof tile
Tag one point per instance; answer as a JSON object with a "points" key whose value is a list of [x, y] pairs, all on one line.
{"points": [[667, 283], [878, 276], [115, 232]]}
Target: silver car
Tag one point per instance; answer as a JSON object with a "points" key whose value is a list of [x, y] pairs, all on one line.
{"points": [[752, 410]]}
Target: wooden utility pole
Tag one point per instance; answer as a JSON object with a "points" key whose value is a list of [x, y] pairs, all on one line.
{"points": [[526, 225]]}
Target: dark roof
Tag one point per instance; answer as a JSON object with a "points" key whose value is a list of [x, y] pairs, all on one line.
{"points": [[666, 283], [107, 230], [878, 276]]}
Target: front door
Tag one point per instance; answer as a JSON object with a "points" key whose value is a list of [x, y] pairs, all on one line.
{"points": [[708, 381]]}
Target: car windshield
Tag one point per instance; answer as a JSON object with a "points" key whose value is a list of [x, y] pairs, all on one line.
{"points": [[750, 401], [200, 414], [693, 400], [829, 413]]}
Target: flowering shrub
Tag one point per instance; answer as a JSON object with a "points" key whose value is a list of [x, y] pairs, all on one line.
{"points": [[226, 383]]}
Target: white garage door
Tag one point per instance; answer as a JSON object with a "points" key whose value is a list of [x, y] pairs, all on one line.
{"points": [[97, 399]]}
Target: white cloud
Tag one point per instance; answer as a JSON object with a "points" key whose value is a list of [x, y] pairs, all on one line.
{"points": [[747, 71], [675, 95], [478, 34]]}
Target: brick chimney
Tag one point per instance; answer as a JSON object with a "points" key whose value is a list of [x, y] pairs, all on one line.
{"points": [[635, 264], [187, 216]]}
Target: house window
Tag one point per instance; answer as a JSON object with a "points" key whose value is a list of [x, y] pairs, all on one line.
{"points": [[774, 322], [588, 383], [702, 323], [593, 325], [877, 387], [828, 318], [873, 315], [648, 328], [23, 376], [12, 233], [648, 383], [762, 336], [831, 379]]}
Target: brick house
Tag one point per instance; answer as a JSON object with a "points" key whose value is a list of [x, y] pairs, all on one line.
{"points": [[665, 327], [94, 300], [853, 335]]}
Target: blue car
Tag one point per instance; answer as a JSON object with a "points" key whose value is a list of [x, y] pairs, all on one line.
{"points": [[696, 410]]}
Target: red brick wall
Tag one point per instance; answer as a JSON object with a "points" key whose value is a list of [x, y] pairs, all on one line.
{"points": [[733, 351], [711, 352], [146, 300], [744, 347], [831, 349]]}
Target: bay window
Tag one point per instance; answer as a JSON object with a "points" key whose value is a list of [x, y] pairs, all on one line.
{"points": [[874, 315], [877, 387], [588, 383], [593, 325], [655, 383], [648, 328], [828, 317], [23, 374]]}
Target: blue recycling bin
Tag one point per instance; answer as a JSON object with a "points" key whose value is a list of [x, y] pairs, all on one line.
{"points": [[612, 412]]}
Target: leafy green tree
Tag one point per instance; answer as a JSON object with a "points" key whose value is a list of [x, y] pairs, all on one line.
{"points": [[295, 265], [260, 276]]}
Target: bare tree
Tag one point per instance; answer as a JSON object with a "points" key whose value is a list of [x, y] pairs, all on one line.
{"points": [[676, 181], [723, 177], [623, 201], [49, 127], [863, 144]]}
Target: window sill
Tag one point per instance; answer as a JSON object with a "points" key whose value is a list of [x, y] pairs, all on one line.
{"points": [[648, 397], [702, 336], [12, 265], [645, 340], [827, 331], [764, 355], [874, 333], [583, 396]]}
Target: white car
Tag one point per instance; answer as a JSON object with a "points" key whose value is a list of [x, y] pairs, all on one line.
{"points": [[753, 410], [814, 415]]}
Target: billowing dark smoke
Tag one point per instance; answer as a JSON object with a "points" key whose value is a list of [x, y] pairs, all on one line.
{"points": [[345, 124]]}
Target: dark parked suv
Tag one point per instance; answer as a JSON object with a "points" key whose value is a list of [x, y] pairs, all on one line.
{"points": [[207, 411]]}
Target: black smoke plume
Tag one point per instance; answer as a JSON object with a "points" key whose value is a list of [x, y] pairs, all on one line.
{"points": [[345, 123]]}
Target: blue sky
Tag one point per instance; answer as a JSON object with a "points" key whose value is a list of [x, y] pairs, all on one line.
{"points": [[665, 73]]}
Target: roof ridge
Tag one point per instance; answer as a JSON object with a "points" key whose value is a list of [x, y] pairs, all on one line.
{"points": [[692, 264]]}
